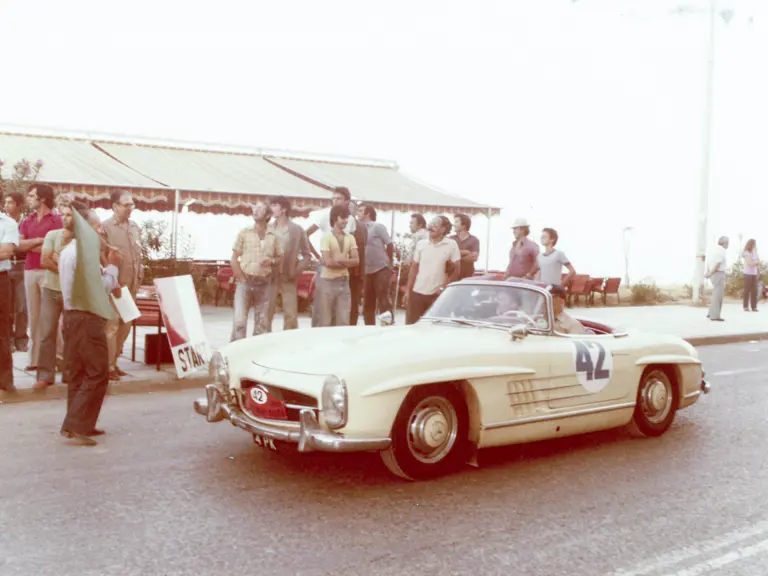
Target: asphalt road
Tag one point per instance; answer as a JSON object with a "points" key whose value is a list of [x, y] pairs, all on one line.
{"points": [[167, 494]]}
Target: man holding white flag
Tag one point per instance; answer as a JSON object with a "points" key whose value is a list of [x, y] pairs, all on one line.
{"points": [[85, 287]]}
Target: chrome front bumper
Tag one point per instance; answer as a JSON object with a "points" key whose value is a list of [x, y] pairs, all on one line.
{"points": [[309, 436]]}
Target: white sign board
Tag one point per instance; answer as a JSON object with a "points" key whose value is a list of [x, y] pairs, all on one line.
{"points": [[183, 324]]}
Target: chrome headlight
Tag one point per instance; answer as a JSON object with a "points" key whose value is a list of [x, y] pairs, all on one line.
{"points": [[218, 369], [334, 402]]}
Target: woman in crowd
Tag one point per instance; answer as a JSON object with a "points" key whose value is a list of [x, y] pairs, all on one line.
{"points": [[751, 269]]}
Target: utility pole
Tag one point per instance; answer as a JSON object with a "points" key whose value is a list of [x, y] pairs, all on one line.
{"points": [[625, 230], [703, 211]]}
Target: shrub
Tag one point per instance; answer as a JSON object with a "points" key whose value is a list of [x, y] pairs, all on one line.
{"points": [[647, 293]]}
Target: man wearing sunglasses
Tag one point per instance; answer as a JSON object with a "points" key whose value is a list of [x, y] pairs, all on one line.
{"points": [[125, 235]]}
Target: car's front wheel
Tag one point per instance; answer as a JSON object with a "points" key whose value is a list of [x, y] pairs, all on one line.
{"points": [[430, 434], [657, 403]]}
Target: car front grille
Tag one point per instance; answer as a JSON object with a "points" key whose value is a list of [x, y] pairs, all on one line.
{"points": [[293, 401]]}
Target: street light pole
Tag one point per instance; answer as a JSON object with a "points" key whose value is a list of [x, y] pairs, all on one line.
{"points": [[625, 230], [703, 212]]}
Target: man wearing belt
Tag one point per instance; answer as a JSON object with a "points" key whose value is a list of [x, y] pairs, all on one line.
{"points": [[51, 341], [9, 240], [255, 253], [469, 246], [427, 277], [321, 220], [14, 207], [339, 249], [32, 232], [294, 247], [716, 275], [125, 235], [85, 288], [379, 253]]}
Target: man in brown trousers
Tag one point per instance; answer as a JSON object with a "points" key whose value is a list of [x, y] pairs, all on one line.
{"points": [[125, 235]]}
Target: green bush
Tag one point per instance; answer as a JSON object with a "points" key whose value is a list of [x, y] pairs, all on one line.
{"points": [[647, 293]]}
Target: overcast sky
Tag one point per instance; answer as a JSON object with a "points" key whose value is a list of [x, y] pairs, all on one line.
{"points": [[586, 116]]}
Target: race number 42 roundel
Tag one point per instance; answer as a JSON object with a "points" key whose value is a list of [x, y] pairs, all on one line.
{"points": [[259, 394], [594, 364]]}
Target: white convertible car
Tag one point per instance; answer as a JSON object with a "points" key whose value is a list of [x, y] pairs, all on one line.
{"points": [[482, 368]]}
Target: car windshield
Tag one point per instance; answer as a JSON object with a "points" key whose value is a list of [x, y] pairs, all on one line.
{"points": [[492, 303]]}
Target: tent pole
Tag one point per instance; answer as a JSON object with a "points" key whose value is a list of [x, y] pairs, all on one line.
{"points": [[488, 241], [399, 267], [175, 228]]}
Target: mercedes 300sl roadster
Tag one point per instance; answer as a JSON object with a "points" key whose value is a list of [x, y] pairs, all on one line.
{"points": [[484, 367]]}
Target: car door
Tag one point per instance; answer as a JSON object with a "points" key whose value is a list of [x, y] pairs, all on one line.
{"points": [[589, 370]]}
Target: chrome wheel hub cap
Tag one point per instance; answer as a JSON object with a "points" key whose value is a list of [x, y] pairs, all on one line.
{"points": [[432, 429], [657, 400]]}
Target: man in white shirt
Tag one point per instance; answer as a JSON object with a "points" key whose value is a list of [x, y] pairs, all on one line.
{"points": [[85, 289], [9, 240], [321, 220], [427, 277], [716, 275]]}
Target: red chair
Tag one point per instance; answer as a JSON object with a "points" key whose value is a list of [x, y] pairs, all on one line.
{"points": [[224, 283], [595, 285], [611, 287], [150, 316], [306, 289], [580, 286]]}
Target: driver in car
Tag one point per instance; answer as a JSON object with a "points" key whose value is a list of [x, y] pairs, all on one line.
{"points": [[564, 324], [506, 302]]}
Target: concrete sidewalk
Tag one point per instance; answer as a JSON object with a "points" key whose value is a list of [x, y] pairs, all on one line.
{"points": [[688, 322]]}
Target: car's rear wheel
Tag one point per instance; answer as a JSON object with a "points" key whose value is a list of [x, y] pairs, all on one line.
{"points": [[657, 403], [430, 433]]}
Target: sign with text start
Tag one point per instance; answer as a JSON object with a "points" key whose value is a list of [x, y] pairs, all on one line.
{"points": [[183, 324]]}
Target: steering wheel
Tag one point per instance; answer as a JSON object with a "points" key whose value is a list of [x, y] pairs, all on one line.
{"points": [[520, 314]]}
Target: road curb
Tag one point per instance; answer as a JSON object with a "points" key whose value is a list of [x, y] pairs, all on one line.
{"points": [[59, 391], [726, 339]]}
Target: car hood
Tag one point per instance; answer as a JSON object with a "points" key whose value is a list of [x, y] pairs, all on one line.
{"points": [[373, 349]]}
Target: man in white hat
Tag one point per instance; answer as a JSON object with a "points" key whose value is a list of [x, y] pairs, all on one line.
{"points": [[524, 252]]}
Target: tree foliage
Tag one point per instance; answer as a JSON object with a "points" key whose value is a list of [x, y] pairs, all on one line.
{"points": [[157, 242], [22, 175]]}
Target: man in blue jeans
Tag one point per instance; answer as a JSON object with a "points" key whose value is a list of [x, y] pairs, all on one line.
{"points": [[339, 253], [321, 220]]}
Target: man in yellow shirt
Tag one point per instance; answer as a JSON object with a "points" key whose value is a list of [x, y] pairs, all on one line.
{"points": [[339, 253]]}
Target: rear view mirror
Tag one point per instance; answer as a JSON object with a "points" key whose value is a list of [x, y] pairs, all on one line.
{"points": [[518, 332]]}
